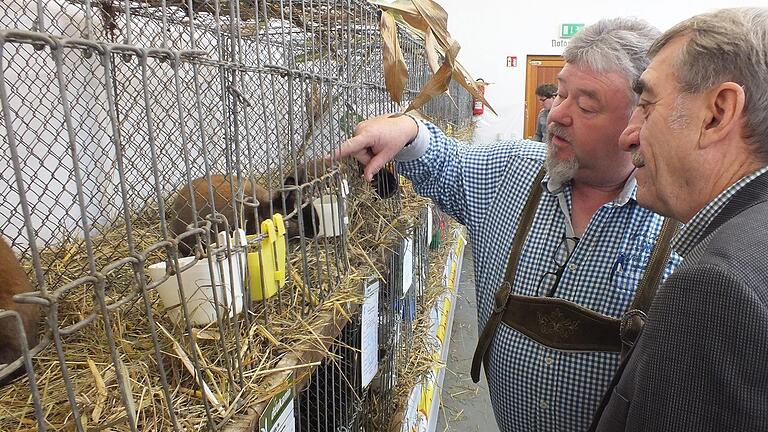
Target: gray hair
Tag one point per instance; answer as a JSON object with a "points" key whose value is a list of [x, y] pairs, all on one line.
{"points": [[613, 45], [727, 45]]}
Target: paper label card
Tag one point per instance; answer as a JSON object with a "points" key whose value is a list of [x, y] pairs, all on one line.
{"points": [[407, 264], [369, 337]]}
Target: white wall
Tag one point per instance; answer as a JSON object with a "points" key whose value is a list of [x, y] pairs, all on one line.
{"points": [[491, 30]]}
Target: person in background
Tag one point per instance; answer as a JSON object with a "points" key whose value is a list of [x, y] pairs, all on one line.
{"points": [[545, 93], [699, 139], [589, 241]]}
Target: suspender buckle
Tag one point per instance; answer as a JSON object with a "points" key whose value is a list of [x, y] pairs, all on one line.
{"points": [[501, 298], [632, 323]]}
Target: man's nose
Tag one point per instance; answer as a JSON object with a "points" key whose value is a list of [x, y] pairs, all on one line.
{"points": [[559, 114], [630, 137]]}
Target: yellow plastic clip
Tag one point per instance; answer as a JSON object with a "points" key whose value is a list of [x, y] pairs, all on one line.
{"points": [[280, 258], [261, 264]]}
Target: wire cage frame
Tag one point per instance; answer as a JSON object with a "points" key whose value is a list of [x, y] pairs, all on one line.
{"points": [[113, 111], [332, 400], [408, 263]]}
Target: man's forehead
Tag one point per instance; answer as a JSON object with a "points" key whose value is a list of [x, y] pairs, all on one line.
{"points": [[661, 67], [651, 78], [588, 82]]}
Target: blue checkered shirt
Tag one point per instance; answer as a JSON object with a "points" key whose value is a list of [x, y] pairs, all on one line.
{"points": [[484, 187]]}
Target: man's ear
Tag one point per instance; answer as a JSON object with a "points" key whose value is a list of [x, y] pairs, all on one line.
{"points": [[723, 113]]}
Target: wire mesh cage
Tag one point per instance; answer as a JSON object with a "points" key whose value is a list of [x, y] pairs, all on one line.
{"points": [[165, 191], [402, 293], [332, 401]]}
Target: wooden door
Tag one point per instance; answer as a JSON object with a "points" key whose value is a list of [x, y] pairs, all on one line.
{"points": [[538, 70]]}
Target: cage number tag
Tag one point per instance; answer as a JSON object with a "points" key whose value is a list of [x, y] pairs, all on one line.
{"points": [[370, 333], [407, 264]]}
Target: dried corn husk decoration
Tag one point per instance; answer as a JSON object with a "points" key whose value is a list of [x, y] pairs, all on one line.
{"points": [[438, 82], [395, 70], [406, 10], [429, 20], [430, 48], [437, 20]]}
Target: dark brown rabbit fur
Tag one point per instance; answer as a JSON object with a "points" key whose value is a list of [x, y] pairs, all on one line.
{"points": [[222, 201]]}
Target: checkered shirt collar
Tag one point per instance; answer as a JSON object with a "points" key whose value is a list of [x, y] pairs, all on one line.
{"points": [[628, 192], [688, 237]]}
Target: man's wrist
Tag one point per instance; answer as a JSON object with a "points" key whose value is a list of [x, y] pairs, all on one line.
{"points": [[416, 122], [418, 146]]}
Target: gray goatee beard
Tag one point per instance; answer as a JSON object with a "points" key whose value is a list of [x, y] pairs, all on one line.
{"points": [[560, 171]]}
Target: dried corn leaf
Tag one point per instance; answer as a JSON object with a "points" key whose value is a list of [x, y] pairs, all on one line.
{"points": [[431, 50], [428, 16], [101, 388], [187, 362], [401, 6], [429, 47], [438, 82], [205, 334], [437, 19], [395, 70], [406, 9], [415, 21], [462, 76]]}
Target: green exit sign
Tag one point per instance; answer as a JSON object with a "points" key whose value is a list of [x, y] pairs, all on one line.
{"points": [[568, 30]]}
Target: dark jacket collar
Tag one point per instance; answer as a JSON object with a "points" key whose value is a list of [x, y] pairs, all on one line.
{"points": [[753, 193]]}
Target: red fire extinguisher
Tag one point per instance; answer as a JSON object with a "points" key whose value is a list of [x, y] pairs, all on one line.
{"points": [[477, 104]]}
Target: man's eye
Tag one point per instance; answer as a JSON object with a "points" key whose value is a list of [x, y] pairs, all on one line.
{"points": [[645, 106]]}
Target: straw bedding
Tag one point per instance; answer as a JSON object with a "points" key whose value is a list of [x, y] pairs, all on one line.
{"points": [[272, 330], [276, 327]]}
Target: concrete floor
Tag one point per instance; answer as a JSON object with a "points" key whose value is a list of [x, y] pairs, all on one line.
{"points": [[465, 405]]}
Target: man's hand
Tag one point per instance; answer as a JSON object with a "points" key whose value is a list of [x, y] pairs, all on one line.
{"points": [[377, 140]]}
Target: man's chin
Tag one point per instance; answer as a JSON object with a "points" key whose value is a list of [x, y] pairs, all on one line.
{"points": [[561, 171], [649, 201]]}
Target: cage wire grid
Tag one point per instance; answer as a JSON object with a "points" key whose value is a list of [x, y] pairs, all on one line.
{"points": [[110, 109]]}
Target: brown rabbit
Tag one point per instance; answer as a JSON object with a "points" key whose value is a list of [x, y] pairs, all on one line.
{"points": [[13, 281], [182, 216], [222, 201]]}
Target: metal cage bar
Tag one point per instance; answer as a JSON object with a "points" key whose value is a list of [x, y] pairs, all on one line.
{"points": [[133, 133]]}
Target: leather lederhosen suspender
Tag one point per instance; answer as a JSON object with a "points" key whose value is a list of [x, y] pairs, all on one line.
{"points": [[562, 324]]}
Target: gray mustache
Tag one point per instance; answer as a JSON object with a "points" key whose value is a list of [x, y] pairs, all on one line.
{"points": [[637, 159], [557, 129]]}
